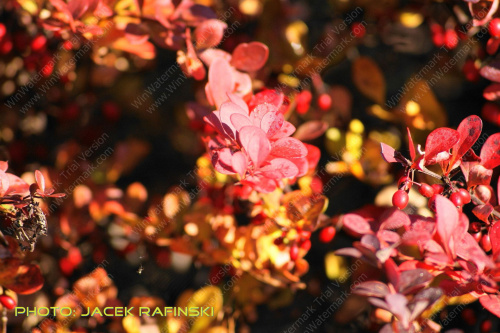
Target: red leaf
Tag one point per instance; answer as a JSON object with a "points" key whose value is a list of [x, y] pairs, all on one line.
{"points": [[469, 131], [490, 153], [371, 288], [411, 145], [446, 223], [266, 96], [440, 140], [479, 175], [256, 144], [468, 249], [271, 123], [356, 224], [239, 120], [279, 168], [28, 280], [495, 239], [288, 147], [482, 212], [250, 57], [221, 81], [392, 272], [286, 130], [394, 218], [412, 280], [4, 184], [4, 165], [40, 180], [209, 33], [491, 303], [388, 153], [311, 130]]}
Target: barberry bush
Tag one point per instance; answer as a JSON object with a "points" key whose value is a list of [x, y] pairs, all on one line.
{"points": [[293, 166]]}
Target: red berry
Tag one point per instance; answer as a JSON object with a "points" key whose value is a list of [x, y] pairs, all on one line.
{"points": [[305, 245], [75, 256], [450, 39], [426, 190], [470, 71], [3, 31], [327, 234], [456, 198], [278, 241], [475, 227], [324, 102], [303, 101], [66, 266], [6, 45], [469, 316], [432, 203], [492, 45], [67, 45], [486, 326], [8, 302], [494, 27], [486, 243], [400, 199], [294, 252], [304, 234], [465, 195], [438, 39], [38, 43], [477, 236], [438, 189], [111, 111], [358, 29], [491, 112]]}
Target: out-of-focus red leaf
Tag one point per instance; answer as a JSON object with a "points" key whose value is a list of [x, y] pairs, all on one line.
{"points": [[266, 96], [412, 280], [398, 306], [387, 153], [490, 153], [356, 224], [446, 223], [220, 79], [491, 303], [209, 33], [4, 183], [491, 71], [250, 57], [28, 279], [78, 7], [310, 130], [209, 55], [4, 165], [394, 218], [440, 140], [136, 33], [40, 180], [469, 249], [372, 288], [492, 92]]}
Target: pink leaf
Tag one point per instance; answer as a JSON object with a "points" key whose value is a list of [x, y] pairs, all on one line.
{"points": [[311, 130], [239, 120], [392, 271], [491, 303], [4, 165], [250, 57], [222, 161], [271, 123], [387, 153], [258, 113], [279, 168], [40, 180], [468, 249], [288, 147], [210, 55], [17, 185], [490, 153], [411, 145], [221, 80], [239, 101], [239, 163], [446, 223], [356, 224], [4, 184], [209, 33], [256, 144], [286, 130], [440, 140]]}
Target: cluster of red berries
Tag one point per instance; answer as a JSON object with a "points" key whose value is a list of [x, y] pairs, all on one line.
{"points": [[440, 37], [400, 198], [494, 41], [304, 98], [297, 239]]}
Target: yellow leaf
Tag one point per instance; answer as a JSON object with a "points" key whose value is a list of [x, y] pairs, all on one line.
{"points": [[369, 79], [336, 267], [209, 296], [132, 324]]}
